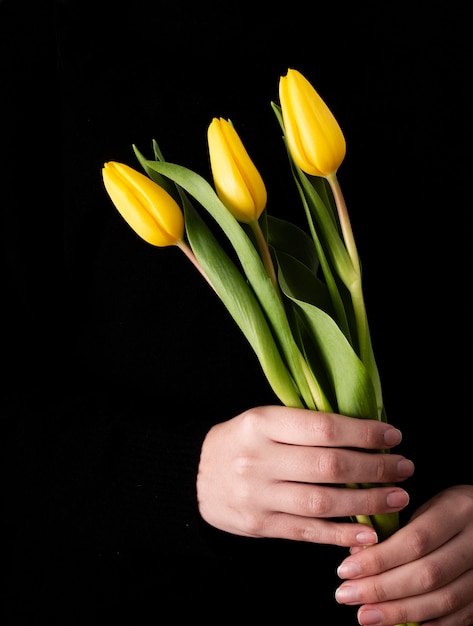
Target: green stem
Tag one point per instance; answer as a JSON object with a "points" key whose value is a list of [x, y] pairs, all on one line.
{"points": [[364, 338], [321, 402], [265, 254], [184, 247], [344, 220], [356, 291]]}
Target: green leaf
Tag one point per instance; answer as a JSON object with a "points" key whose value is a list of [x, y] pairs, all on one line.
{"points": [[287, 237], [328, 230], [242, 305], [341, 307], [158, 178], [349, 378], [301, 283], [323, 190]]}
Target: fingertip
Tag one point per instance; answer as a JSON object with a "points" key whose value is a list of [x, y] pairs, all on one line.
{"points": [[367, 537], [392, 436], [348, 569]]}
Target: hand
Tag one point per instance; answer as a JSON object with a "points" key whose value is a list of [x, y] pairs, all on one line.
{"points": [[424, 572], [279, 472]]}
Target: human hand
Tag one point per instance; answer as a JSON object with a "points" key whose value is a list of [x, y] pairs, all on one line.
{"points": [[423, 573], [275, 471]]}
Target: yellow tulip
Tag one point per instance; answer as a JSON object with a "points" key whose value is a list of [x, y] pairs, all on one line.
{"points": [[314, 137], [150, 211], [237, 181]]}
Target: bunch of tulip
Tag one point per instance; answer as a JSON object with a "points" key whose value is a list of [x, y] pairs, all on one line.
{"points": [[296, 295]]}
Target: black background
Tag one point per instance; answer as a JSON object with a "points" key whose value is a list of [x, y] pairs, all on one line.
{"points": [[396, 79], [82, 81]]}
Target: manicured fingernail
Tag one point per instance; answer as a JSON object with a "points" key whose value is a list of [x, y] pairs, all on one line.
{"points": [[346, 595], [348, 570], [405, 468], [397, 499], [367, 538], [392, 436], [370, 617]]}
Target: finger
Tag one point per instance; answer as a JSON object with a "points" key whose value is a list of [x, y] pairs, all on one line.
{"points": [[316, 428], [335, 466], [410, 543], [295, 528], [439, 568], [322, 501], [454, 605]]}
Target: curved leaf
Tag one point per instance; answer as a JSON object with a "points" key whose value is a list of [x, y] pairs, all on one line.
{"points": [[289, 238], [242, 305], [301, 283], [352, 385]]}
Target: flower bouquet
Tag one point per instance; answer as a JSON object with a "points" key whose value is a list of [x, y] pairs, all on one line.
{"points": [[296, 294]]}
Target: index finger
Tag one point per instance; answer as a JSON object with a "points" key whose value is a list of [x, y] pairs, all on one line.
{"points": [[433, 528], [304, 427]]}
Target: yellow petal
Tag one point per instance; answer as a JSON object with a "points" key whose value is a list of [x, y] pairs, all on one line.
{"points": [[237, 181], [150, 211], [314, 136]]}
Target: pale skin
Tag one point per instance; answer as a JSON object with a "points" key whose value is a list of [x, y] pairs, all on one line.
{"points": [[268, 471]]}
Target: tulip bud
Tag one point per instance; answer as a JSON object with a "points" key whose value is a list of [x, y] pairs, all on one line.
{"points": [[237, 181], [150, 211], [315, 139]]}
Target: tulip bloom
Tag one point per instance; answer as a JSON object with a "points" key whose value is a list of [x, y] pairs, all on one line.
{"points": [[237, 181], [315, 139], [150, 211]]}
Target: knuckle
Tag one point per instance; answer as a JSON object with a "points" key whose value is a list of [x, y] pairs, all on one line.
{"points": [[306, 531], [373, 563], [242, 489], [431, 576], [253, 417], [381, 466], [317, 503], [370, 435], [450, 599], [329, 466], [253, 523], [244, 465], [418, 542], [402, 616], [379, 591], [323, 426]]}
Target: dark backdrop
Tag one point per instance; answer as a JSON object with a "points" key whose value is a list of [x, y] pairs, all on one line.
{"points": [[396, 80], [83, 80]]}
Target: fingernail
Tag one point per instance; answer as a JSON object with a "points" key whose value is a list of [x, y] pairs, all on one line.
{"points": [[367, 538], [392, 436], [346, 595], [405, 468], [370, 617], [397, 499], [348, 570]]}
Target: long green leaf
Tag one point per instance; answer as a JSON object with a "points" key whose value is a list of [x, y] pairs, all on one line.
{"points": [[301, 283], [242, 305], [350, 379], [332, 280], [287, 237]]}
